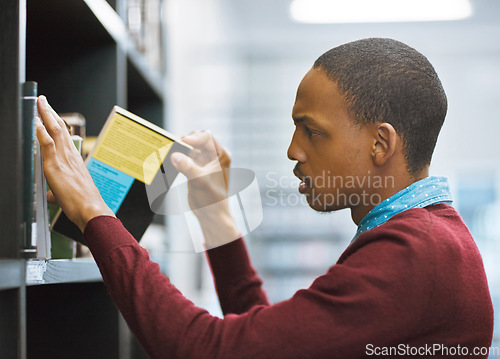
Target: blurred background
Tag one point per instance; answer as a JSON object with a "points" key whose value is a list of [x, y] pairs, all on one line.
{"points": [[234, 66]]}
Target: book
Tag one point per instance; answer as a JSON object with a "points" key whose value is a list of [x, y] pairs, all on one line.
{"points": [[130, 155], [41, 233], [29, 91], [35, 220]]}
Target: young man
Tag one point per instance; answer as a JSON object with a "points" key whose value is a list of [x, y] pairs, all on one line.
{"points": [[411, 283]]}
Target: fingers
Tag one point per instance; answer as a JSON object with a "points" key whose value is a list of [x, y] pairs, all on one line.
{"points": [[51, 198], [53, 123], [207, 149], [45, 104], [56, 116], [204, 141], [197, 138], [185, 165], [46, 115], [46, 142]]}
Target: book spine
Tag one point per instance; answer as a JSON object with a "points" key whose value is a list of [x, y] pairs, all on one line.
{"points": [[29, 112], [40, 234]]}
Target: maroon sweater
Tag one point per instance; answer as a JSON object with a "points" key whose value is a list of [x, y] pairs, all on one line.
{"points": [[411, 283]]}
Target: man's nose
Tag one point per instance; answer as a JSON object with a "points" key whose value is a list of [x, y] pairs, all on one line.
{"points": [[295, 152]]}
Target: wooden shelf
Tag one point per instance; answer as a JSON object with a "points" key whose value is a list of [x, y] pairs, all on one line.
{"points": [[61, 271]]}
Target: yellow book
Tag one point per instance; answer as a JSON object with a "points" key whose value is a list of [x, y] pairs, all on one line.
{"points": [[129, 162]]}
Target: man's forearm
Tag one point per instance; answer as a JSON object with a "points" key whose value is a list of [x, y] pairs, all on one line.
{"points": [[217, 223]]}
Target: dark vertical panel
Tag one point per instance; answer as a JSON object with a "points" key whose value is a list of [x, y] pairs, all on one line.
{"points": [[71, 321], [12, 26], [9, 323], [10, 132]]}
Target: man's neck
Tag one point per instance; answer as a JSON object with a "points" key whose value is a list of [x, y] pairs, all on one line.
{"points": [[399, 182]]}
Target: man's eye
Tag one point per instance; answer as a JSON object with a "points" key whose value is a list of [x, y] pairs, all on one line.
{"points": [[310, 132]]}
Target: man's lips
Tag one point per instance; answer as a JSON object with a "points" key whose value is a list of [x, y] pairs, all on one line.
{"points": [[303, 187], [305, 181]]}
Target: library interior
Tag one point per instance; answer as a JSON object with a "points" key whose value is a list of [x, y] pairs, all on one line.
{"points": [[131, 78]]}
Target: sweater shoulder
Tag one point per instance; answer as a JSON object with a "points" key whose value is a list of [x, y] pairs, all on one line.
{"points": [[417, 222], [429, 227]]}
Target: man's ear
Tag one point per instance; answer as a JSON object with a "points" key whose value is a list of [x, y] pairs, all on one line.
{"points": [[385, 143]]}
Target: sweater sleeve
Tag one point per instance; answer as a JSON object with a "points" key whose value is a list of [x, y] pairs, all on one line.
{"points": [[365, 300], [238, 286]]}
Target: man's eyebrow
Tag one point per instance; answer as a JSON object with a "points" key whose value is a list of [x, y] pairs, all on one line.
{"points": [[302, 119]]}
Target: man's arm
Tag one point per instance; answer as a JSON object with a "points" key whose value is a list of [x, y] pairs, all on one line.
{"points": [[367, 299], [238, 286], [75, 191], [168, 325]]}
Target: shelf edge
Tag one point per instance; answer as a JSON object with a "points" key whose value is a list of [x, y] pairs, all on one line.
{"points": [[114, 25], [62, 271]]}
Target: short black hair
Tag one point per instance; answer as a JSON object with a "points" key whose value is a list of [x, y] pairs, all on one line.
{"points": [[385, 80]]}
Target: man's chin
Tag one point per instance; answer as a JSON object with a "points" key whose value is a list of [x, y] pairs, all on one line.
{"points": [[325, 209], [324, 203]]}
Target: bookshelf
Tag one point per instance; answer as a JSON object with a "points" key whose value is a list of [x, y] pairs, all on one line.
{"points": [[84, 60], [61, 271]]}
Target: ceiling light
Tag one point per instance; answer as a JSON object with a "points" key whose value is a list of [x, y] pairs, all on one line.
{"points": [[358, 11]]}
